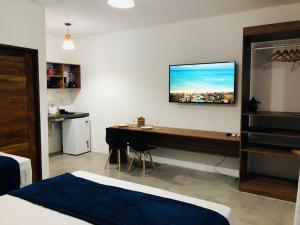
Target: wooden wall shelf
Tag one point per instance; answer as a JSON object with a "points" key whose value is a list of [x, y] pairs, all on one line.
{"points": [[274, 132], [270, 150], [252, 127], [273, 114], [63, 76]]}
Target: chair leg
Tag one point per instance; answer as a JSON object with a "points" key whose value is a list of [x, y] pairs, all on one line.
{"points": [[144, 165], [153, 164], [130, 165], [128, 156], [119, 159], [108, 159], [140, 160], [127, 152]]}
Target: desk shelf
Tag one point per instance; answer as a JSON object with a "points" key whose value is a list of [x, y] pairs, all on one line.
{"points": [[210, 142]]}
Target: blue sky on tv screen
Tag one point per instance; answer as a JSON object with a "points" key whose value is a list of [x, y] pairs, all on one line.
{"points": [[202, 78]]}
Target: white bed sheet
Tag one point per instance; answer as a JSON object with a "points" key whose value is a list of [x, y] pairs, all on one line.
{"points": [[25, 168], [31, 214]]}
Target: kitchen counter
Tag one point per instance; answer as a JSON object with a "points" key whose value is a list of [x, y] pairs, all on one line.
{"points": [[68, 116]]}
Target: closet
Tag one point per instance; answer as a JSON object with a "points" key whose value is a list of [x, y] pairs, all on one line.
{"points": [[270, 137]]}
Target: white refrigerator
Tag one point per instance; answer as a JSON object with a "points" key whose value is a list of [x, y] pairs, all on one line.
{"points": [[76, 136]]}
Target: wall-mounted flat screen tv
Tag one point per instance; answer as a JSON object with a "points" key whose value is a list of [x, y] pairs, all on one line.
{"points": [[212, 83]]}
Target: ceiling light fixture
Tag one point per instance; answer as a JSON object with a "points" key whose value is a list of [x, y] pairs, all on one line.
{"points": [[121, 4], [68, 41]]}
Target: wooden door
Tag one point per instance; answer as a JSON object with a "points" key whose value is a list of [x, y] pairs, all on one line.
{"points": [[19, 105]]}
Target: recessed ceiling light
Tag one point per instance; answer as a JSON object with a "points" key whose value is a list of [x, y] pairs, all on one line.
{"points": [[68, 41], [122, 4]]}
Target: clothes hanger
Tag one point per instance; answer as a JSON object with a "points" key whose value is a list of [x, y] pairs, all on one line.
{"points": [[297, 55], [277, 54], [292, 54], [286, 56]]}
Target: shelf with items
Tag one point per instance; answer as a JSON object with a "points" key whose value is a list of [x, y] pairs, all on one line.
{"points": [[63, 76], [55, 82]]}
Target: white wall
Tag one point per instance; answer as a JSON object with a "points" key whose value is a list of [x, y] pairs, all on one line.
{"points": [[297, 210], [125, 74], [22, 23]]}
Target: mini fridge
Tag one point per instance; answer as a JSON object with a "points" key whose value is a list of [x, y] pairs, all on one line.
{"points": [[76, 136]]}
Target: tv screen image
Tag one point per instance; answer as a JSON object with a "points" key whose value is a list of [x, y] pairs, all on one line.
{"points": [[203, 83]]}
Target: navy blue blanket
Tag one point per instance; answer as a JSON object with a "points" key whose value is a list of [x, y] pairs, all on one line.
{"points": [[9, 175], [106, 205]]}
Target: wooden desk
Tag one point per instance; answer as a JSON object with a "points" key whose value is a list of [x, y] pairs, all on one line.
{"points": [[188, 140]]}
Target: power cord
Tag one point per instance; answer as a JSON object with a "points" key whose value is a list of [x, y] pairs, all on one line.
{"points": [[218, 164], [235, 180]]}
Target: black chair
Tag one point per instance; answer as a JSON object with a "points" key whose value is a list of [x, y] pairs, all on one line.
{"points": [[138, 143], [116, 142]]}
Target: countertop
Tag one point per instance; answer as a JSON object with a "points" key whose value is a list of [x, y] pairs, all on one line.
{"points": [[69, 116]]}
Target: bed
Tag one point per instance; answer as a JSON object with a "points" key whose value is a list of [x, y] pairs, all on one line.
{"points": [[29, 213], [25, 168]]}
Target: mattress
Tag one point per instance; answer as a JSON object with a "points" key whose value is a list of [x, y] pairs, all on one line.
{"points": [[10, 205], [25, 168]]}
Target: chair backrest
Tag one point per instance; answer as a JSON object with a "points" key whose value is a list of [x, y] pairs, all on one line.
{"points": [[114, 139], [138, 141]]}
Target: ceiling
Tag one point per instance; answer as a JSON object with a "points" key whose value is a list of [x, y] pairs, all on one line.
{"points": [[90, 17]]}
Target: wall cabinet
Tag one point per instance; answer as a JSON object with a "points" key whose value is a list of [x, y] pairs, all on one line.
{"points": [[63, 76]]}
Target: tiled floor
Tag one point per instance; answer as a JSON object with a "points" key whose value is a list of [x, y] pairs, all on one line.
{"points": [[247, 209]]}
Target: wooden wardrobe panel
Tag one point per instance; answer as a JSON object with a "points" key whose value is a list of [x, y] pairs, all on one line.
{"points": [[19, 100], [12, 67], [15, 107], [20, 149], [4, 142], [14, 127], [12, 85]]}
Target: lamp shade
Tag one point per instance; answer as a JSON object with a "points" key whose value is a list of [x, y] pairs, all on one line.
{"points": [[68, 43], [122, 4]]}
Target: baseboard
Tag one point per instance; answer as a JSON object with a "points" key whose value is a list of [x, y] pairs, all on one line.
{"points": [[193, 165], [197, 166], [53, 154]]}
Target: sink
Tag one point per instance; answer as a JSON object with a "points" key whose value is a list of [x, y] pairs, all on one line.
{"points": [[68, 113]]}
